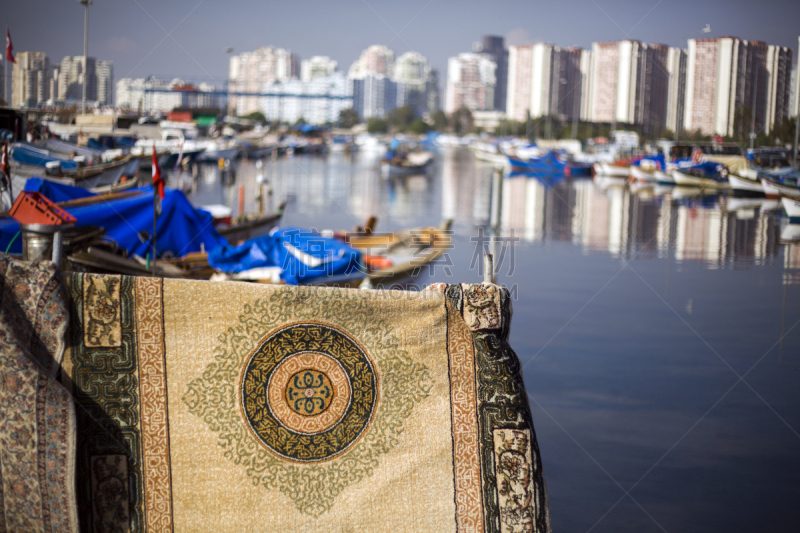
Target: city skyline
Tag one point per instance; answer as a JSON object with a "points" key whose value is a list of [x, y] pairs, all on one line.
{"points": [[187, 39]]}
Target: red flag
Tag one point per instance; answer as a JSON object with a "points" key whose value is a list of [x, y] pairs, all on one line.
{"points": [[158, 185], [158, 182], [4, 165], [697, 156], [9, 48]]}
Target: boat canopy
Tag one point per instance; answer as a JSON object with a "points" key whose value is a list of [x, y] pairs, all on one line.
{"points": [[302, 255], [128, 221], [735, 163], [27, 154]]}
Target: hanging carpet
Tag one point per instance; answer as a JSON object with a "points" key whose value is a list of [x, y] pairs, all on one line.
{"points": [[244, 407]]}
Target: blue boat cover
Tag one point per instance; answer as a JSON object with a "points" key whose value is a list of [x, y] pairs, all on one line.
{"points": [[709, 169], [56, 192], [28, 155], [303, 255], [548, 164], [182, 229]]}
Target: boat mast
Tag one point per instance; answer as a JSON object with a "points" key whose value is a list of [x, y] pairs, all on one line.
{"points": [[796, 134], [85, 4]]}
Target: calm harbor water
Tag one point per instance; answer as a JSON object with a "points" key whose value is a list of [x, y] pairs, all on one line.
{"points": [[659, 331]]}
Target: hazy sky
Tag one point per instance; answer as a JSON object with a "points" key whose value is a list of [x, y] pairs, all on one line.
{"points": [[187, 38]]}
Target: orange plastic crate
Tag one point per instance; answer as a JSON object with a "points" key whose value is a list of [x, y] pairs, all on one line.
{"points": [[34, 208]]}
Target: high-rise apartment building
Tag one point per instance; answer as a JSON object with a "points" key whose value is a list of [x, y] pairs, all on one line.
{"points": [[434, 99], [374, 95], [30, 82], [105, 82], [470, 82], [295, 104], [543, 79], [726, 79], [779, 81], [494, 47], [72, 76], [629, 84], [377, 59], [414, 81], [796, 90], [251, 71], [793, 102], [53, 83], [152, 95], [317, 67], [586, 84], [676, 91]]}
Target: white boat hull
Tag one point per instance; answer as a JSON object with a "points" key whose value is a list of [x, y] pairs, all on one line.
{"points": [[791, 206], [639, 174], [775, 190], [612, 171], [744, 185], [216, 155], [498, 159], [687, 180], [664, 178]]}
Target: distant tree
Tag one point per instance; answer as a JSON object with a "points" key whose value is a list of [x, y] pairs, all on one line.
{"points": [[667, 134], [256, 116], [377, 125], [439, 120], [461, 121], [419, 127], [401, 118], [300, 121], [348, 118]]}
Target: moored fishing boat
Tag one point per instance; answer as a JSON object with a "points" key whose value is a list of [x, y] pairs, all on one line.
{"points": [[707, 175], [641, 175], [405, 158], [776, 186], [792, 208], [611, 170], [29, 161], [743, 186]]}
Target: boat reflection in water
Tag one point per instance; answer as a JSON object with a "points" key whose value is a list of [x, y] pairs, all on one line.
{"points": [[609, 215]]}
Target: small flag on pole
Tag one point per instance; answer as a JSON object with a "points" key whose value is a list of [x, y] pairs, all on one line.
{"points": [[4, 165], [5, 181], [158, 184], [9, 48], [697, 156]]}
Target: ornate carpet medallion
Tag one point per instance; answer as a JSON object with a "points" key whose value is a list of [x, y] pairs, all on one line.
{"points": [[294, 394], [308, 392]]}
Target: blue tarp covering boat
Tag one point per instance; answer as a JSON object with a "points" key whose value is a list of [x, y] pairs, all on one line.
{"points": [[547, 165], [28, 155], [56, 192], [303, 256], [182, 229]]}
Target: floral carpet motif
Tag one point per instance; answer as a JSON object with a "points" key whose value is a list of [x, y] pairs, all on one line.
{"points": [[37, 417]]}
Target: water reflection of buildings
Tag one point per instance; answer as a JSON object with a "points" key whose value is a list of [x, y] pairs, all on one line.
{"points": [[466, 187], [791, 264], [614, 220]]}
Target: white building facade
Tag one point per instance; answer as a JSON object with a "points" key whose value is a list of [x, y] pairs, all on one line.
{"points": [[251, 71], [317, 67], [470, 83], [319, 100]]}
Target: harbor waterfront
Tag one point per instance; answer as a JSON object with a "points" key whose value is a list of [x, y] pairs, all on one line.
{"points": [[658, 333], [398, 267]]}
